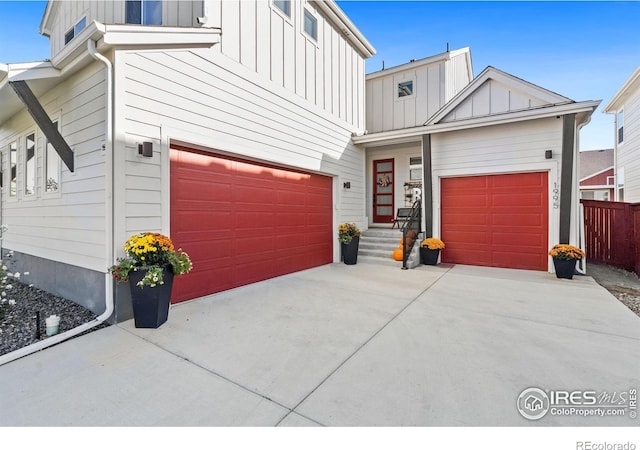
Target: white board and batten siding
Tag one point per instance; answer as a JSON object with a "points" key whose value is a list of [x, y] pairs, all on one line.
{"points": [[499, 149], [69, 225], [205, 98], [435, 81], [327, 72], [66, 14], [629, 149]]}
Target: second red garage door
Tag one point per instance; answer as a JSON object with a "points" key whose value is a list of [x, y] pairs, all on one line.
{"points": [[496, 220], [242, 222]]}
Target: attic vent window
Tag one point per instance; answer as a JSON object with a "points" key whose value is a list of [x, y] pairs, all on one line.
{"points": [[284, 6], [144, 12], [405, 89], [73, 32]]}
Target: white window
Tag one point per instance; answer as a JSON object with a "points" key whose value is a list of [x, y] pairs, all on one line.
{"points": [[620, 124], [73, 32], [13, 169], [144, 12], [284, 6], [415, 168], [52, 168], [405, 88], [621, 177], [30, 164], [310, 25]]}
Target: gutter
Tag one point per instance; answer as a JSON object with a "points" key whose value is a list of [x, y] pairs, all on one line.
{"points": [[109, 306]]}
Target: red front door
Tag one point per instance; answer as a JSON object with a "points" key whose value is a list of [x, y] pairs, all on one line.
{"points": [[383, 191]]}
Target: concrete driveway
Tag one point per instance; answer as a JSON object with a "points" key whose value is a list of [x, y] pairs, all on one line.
{"points": [[345, 346]]}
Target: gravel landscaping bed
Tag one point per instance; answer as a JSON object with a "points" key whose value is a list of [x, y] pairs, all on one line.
{"points": [[18, 327], [623, 285]]}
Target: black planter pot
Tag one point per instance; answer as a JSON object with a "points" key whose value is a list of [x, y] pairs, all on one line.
{"points": [[150, 304], [429, 257], [565, 268], [350, 251]]}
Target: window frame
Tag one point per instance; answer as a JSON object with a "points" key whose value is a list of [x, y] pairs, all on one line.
{"points": [[620, 126], [275, 5], [413, 89], [142, 14], [25, 162], [45, 165], [306, 12], [75, 30], [13, 149]]}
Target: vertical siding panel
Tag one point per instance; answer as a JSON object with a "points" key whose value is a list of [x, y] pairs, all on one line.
{"points": [[248, 40], [231, 29], [289, 69], [185, 14], [343, 78], [433, 86], [348, 85], [118, 12], [318, 57], [300, 55], [171, 10], [377, 106], [277, 49], [263, 38], [310, 54], [335, 75], [422, 104], [387, 103], [327, 51]]}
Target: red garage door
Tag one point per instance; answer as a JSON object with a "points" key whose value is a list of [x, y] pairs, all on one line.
{"points": [[496, 220], [242, 222]]}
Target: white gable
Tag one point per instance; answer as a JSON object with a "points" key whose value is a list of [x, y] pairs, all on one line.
{"points": [[495, 92]]}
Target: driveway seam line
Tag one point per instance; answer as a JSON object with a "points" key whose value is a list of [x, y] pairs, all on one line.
{"points": [[357, 350]]}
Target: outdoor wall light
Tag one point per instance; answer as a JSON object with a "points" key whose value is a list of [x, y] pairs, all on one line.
{"points": [[346, 185], [548, 154], [146, 149]]}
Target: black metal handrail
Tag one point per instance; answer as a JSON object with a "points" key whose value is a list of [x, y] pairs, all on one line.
{"points": [[410, 231]]}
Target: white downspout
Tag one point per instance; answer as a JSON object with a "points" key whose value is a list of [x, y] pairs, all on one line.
{"points": [[109, 306], [581, 267]]}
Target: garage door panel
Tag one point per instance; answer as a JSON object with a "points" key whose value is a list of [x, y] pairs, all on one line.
{"points": [[243, 222], [509, 230]]}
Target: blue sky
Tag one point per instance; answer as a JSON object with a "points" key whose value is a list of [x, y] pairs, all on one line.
{"points": [[582, 50]]}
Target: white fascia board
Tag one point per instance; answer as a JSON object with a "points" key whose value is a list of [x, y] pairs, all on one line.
{"points": [[476, 122], [590, 187], [633, 82], [344, 24], [45, 29], [595, 173], [167, 37], [410, 65]]}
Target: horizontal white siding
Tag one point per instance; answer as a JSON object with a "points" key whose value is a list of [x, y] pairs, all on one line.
{"points": [[629, 150], [206, 98], [327, 72], [68, 226]]}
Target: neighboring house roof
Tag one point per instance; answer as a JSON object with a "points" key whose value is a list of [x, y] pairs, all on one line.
{"points": [[628, 88], [593, 162]]}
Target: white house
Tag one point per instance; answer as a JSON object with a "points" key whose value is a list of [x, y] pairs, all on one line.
{"points": [[240, 130], [494, 159], [226, 125], [625, 105]]}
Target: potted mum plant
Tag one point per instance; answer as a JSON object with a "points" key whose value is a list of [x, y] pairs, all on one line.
{"points": [[564, 259], [349, 237], [430, 251], [149, 267]]}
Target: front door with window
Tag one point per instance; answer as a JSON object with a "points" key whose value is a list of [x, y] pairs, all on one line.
{"points": [[383, 191]]}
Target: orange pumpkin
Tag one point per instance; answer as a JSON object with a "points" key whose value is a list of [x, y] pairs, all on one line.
{"points": [[397, 254]]}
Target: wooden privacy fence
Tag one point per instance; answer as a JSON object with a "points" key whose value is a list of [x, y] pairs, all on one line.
{"points": [[612, 233]]}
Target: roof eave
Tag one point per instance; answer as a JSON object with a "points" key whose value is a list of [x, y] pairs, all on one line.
{"points": [[633, 82], [331, 9], [411, 134]]}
